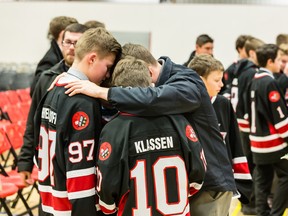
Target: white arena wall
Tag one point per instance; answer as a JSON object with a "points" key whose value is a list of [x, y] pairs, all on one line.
{"points": [[173, 27]]}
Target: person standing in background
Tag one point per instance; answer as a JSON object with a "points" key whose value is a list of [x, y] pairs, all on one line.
{"points": [[204, 45], [268, 120], [245, 70], [211, 72], [94, 24], [229, 72], [54, 54], [281, 39]]}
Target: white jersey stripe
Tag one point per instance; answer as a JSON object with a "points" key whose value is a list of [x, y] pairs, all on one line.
{"points": [[239, 160], [281, 124], [107, 206], [242, 176], [50, 210], [244, 129], [55, 193], [195, 185], [264, 138], [267, 150], [242, 121], [81, 173], [284, 135], [82, 194]]}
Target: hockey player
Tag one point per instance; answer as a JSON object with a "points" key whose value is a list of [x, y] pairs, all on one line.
{"points": [[244, 73], [147, 165], [211, 72], [268, 120], [71, 34], [69, 128]]}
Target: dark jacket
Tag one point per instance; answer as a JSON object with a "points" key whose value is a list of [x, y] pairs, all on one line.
{"points": [[181, 90], [190, 58], [244, 73], [230, 131], [227, 80], [51, 58], [25, 162]]}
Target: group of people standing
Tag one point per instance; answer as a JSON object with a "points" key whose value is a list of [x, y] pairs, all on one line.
{"points": [[122, 133]]}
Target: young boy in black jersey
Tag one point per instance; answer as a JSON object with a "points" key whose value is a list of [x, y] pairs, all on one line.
{"points": [[211, 72], [268, 120], [67, 130], [147, 165]]}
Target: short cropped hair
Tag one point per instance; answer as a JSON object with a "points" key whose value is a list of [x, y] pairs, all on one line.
{"points": [[138, 51], [204, 64], [203, 39], [240, 41], [58, 24], [284, 48], [266, 52], [97, 40], [76, 28], [281, 39], [132, 72], [252, 44], [94, 24]]}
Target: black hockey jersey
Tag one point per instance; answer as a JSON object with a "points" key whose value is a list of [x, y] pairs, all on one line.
{"points": [[282, 79], [68, 129], [26, 155], [230, 131], [268, 119], [228, 77], [244, 73], [148, 166]]}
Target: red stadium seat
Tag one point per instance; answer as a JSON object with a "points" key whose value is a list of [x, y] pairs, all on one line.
{"points": [[24, 94], [4, 99], [5, 148], [7, 189], [15, 179], [14, 113], [13, 96]]}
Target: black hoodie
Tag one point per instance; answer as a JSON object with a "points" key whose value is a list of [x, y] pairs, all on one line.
{"points": [[243, 74]]}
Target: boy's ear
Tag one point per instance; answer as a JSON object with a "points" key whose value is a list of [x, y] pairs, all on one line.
{"points": [[150, 68], [269, 62], [92, 57]]}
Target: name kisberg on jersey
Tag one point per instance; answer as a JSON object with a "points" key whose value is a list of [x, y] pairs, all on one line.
{"points": [[153, 144]]}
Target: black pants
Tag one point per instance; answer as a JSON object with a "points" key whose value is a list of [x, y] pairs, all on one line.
{"points": [[263, 183]]}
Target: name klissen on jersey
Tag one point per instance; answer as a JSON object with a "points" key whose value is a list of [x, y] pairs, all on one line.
{"points": [[153, 144], [50, 115]]}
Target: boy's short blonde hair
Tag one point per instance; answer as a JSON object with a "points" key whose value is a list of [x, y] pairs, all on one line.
{"points": [[132, 72], [204, 64], [97, 40]]}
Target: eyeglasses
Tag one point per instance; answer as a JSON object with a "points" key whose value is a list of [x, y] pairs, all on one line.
{"points": [[68, 43]]}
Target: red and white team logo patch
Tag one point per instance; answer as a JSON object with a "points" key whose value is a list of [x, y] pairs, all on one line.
{"points": [[274, 96], [105, 151], [190, 133], [80, 120]]}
